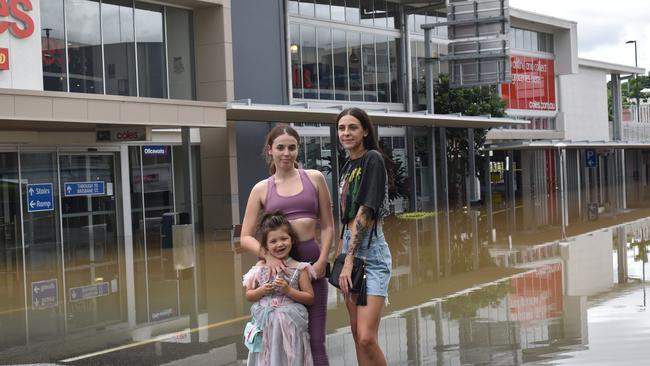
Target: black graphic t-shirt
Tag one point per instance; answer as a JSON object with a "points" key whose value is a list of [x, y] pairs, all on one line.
{"points": [[364, 182]]}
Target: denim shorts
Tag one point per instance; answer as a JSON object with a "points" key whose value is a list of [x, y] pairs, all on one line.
{"points": [[378, 261]]}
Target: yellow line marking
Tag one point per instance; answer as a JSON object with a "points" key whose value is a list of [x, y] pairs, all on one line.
{"points": [[153, 340]]}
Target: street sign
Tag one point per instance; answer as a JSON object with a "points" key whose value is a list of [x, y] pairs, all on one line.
{"points": [[40, 197], [96, 188], [45, 294], [89, 291], [591, 158]]}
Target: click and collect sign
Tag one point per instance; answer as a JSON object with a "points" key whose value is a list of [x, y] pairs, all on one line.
{"points": [[532, 86], [40, 197], [73, 189]]}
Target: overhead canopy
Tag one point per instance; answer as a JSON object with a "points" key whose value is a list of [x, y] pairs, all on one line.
{"points": [[554, 144], [48, 110], [305, 114]]}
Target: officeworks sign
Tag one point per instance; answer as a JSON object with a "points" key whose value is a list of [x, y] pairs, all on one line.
{"points": [[20, 45]]}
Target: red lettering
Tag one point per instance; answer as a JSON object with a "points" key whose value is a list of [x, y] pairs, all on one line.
{"points": [[13, 8]]}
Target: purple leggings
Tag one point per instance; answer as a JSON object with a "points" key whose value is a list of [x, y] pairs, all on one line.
{"points": [[309, 251]]}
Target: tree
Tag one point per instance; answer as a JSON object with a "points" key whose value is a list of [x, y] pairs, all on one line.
{"points": [[474, 101]]}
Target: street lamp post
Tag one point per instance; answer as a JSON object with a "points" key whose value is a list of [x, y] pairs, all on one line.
{"points": [[638, 106]]}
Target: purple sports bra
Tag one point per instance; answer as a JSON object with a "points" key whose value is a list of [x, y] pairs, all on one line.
{"points": [[301, 205]]}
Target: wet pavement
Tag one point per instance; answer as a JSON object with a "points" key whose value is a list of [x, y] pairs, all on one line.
{"points": [[550, 303]]}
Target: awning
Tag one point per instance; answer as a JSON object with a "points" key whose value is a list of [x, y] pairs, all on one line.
{"points": [[244, 111], [62, 111], [569, 144]]}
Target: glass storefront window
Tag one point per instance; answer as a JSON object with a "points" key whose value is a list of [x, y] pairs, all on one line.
{"points": [[100, 46], [383, 71], [150, 38], [179, 52], [84, 46], [367, 12], [352, 14], [12, 306], [53, 44], [338, 10], [293, 6], [43, 261], [325, 64], [296, 60], [309, 61], [306, 7], [354, 62], [333, 64], [119, 47], [395, 80], [369, 68], [340, 65], [323, 9]]}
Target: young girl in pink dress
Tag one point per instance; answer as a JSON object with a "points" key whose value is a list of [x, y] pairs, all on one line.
{"points": [[280, 300]]}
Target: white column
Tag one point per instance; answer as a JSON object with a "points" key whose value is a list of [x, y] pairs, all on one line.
{"points": [[128, 234]]}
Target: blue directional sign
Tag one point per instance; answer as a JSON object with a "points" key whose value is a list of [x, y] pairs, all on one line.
{"points": [[154, 150], [40, 197], [45, 294], [591, 158], [89, 291], [94, 188]]}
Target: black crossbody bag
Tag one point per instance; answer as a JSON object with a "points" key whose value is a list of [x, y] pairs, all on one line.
{"points": [[359, 285]]}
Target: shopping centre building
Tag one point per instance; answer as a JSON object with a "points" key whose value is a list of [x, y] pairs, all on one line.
{"points": [[128, 119]]}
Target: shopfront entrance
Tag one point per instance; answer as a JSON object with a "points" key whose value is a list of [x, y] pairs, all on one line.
{"points": [[61, 250]]}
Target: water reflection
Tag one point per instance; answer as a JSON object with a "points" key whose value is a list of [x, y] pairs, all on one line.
{"points": [[551, 302]]}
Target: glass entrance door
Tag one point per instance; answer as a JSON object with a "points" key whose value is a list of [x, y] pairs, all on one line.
{"points": [[91, 240]]}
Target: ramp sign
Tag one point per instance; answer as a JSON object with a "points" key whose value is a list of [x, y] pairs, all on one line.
{"points": [[40, 197]]}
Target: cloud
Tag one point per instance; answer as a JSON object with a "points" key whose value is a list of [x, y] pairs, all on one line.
{"points": [[603, 28]]}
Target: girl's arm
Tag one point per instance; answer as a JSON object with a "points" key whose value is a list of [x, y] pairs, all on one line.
{"points": [[305, 295], [326, 224], [249, 226], [359, 228], [255, 294]]}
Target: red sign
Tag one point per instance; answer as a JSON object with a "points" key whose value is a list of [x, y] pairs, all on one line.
{"points": [[537, 295], [4, 59], [532, 86], [13, 16]]}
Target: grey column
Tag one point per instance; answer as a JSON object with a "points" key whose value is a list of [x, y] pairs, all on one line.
{"points": [[405, 60], [434, 198], [488, 197], [617, 106], [410, 146], [334, 153], [189, 209]]}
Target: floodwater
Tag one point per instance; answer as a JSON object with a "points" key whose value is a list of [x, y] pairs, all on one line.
{"points": [[467, 302]]}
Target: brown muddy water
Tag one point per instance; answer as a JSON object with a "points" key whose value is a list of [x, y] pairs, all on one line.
{"points": [[461, 302]]}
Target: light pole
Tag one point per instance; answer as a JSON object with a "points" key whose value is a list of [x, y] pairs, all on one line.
{"points": [[638, 106]]}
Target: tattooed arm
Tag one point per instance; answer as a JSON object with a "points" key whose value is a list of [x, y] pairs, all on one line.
{"points": [[359, 228]]}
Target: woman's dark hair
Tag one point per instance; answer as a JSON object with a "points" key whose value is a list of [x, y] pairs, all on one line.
{"points": [[370, 140], [274, 221], [268, 143]]}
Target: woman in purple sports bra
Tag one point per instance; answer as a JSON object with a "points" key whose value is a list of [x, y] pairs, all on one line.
{"points": [[303, 197]]}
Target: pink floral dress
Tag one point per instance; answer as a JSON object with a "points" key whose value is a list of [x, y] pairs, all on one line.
{"points": [[285, 339]]}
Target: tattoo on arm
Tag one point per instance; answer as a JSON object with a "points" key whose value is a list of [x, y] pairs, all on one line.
{"points": [[363, 224]]}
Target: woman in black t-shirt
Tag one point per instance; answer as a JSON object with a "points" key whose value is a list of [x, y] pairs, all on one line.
{"points": [[363, 189]]}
